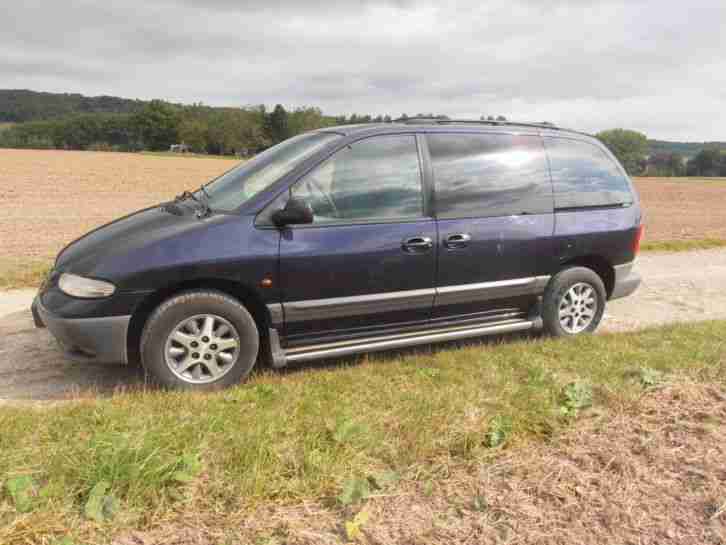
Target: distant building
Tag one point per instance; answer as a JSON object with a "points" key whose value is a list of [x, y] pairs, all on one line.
{"points": [[179, 148]]}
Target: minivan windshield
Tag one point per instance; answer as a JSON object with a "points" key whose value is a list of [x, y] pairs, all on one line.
{"points": [[237, 186]]}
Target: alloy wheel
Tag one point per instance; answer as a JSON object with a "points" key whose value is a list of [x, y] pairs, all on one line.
{"points": [[202, 349], [578, 308]]}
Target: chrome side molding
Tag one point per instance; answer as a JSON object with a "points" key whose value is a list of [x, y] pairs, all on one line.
{"points": [[361, 305], [485, 291], [357, 305]]}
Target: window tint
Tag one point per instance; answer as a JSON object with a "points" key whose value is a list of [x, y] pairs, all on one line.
{"points": [[480, 175], [583, 175], [376, 178]]}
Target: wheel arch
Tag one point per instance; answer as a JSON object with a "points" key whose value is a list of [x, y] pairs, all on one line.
{"points": [[244, 294], [599, 265]]}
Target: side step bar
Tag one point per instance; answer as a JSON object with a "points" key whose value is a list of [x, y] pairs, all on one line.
{"points": [[374, 344]]}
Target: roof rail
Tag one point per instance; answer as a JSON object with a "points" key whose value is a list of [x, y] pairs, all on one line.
{"points": [[445, 121]]}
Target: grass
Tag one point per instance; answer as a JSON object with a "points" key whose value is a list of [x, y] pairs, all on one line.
{"points": [[193, 155], [5, 125], [23, 274], [324, 433], [682, 245], [680, 179]]}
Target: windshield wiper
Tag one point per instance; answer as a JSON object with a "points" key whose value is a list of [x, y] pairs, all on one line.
{"points": [[205, 209]]}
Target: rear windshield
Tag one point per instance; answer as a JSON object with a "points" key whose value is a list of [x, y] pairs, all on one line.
{"points": [[237, 186], [584, 176]]}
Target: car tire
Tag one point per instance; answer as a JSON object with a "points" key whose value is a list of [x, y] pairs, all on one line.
{"points": [[199, 340], [573, 302]]}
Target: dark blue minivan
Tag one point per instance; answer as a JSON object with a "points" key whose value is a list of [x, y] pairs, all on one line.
{"points": [[354, 239]]}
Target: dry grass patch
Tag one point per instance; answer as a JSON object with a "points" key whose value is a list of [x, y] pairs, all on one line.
{"points": [[22, 275], [647, 473], [682, 245]]}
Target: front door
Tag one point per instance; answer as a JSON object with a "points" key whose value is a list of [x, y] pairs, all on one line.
{"points": [[495, 222], [367, 262]]}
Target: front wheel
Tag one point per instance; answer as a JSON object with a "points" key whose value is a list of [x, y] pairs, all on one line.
{"points": [[574, 302], [199, 340]]}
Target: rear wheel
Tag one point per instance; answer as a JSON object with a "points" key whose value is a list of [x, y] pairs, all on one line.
{"points": [[199, 340], [574, 302]]}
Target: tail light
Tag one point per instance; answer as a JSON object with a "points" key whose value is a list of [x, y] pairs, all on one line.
{"points": [[638, 237]]}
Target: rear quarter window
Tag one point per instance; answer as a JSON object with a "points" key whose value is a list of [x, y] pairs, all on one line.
{"points": [[486, 175], [583, 176]]}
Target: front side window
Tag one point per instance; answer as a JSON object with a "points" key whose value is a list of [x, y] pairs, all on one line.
{"points": [[375, 179], [237, 186], [584, 176], [487, 175]]}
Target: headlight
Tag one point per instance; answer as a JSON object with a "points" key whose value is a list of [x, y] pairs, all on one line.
{"points": [[77, 286]]}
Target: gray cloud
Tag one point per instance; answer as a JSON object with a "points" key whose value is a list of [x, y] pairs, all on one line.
{"points": [[654, 65], [26, 67]]}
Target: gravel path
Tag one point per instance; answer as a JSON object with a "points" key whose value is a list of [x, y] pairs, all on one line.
{"points": [[677, 287], [15, 301]]}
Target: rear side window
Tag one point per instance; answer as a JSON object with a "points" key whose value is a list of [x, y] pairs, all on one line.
{"points": [[485, 175], [584, 176]]}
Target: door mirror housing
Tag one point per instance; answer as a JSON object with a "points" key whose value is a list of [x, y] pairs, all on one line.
{"points": [[296, 212]]}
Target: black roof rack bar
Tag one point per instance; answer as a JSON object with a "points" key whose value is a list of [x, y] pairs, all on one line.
{"points": [[444, 121]]}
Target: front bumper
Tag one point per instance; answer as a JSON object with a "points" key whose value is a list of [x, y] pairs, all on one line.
{"points": [[626, 281], [93, 340]]}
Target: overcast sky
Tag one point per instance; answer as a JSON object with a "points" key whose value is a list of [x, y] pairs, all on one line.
{"points": [[658, 65]]}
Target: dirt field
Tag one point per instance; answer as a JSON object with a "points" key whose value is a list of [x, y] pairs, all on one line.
{"points": [[682, 210], [52, 197]]}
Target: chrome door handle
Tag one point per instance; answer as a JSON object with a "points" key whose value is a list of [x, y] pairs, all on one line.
{"points": [[417, 244], [458, 240]]}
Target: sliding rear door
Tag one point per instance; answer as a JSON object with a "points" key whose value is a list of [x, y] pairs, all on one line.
{"points": [[493, 203]]}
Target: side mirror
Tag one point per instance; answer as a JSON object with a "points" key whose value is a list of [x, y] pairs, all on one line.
{"points": [[296, 212]]}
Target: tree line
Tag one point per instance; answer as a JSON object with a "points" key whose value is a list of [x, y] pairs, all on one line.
{"points": [[22, 105], [76, 122], [108, 123], [158, 124], [635, 153]]}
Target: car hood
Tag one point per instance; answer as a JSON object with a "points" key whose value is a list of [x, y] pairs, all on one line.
{"points": [[154, 247], [123, 235]]}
